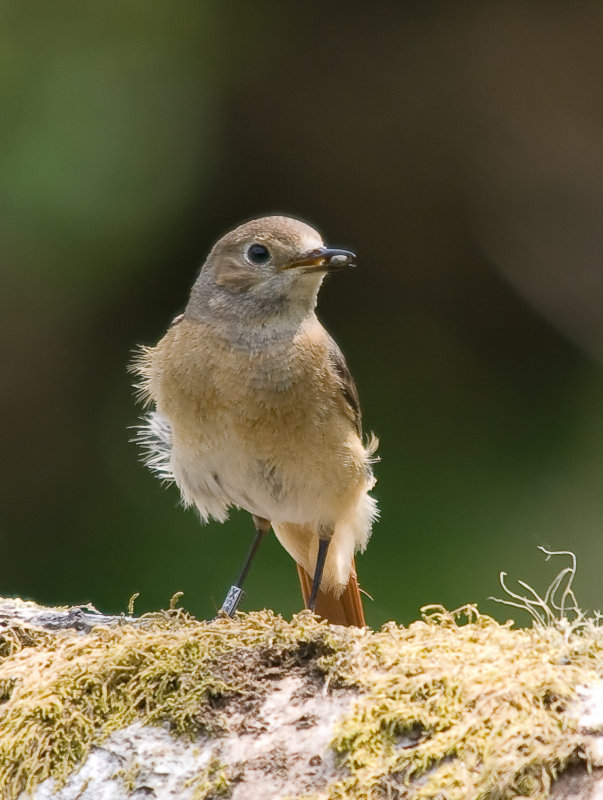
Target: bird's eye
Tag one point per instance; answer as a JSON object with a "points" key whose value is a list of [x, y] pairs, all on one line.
{"points": [[258, 254]]}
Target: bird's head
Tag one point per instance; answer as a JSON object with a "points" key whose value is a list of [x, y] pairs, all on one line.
{"points": [[269, 265]]}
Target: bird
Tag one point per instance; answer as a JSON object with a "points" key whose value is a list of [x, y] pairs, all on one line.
{"points": [[253, 407]]}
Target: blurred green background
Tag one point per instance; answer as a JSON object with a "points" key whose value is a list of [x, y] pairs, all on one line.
{"points": [[457, 148]]}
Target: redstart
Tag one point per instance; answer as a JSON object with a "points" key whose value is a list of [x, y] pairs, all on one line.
{"points": [[255, 408]]}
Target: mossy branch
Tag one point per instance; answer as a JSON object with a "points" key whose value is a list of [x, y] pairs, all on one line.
{"points": [[454, 706]]}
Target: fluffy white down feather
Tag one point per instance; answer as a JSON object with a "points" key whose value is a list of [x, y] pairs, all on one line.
{"points": [[213, 498]]}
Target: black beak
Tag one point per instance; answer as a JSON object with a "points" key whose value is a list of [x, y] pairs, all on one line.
{"points": [[323, 259]]}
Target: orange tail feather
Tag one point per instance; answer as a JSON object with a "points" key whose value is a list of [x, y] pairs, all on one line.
{"points": [[343, 610]]}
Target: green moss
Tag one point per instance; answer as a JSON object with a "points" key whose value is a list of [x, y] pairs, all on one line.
{"points": [[15, 637], [211, 783], [69, 691], [470, 710]]}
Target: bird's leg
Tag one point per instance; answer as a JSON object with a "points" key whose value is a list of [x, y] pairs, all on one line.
{"points": [[235, 593], [323, 547]]}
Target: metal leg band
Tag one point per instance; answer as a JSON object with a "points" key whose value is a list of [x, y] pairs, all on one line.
{"points": [[233, 598]]}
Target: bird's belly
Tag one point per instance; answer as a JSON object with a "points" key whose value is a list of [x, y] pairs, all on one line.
{"points": [[287, 485]]}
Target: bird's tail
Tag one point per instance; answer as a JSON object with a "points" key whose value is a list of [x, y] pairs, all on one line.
{"points": [[341, 609]]}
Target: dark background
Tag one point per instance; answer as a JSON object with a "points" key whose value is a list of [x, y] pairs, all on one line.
{"points": [[456, 147]]}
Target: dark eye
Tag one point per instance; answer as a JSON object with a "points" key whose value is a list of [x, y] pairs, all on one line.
{"points": [[258, 254]]}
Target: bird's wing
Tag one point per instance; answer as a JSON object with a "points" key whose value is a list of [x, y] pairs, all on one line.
{"points": [[349, 392]]}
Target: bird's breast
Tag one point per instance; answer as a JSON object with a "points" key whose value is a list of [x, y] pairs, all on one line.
{"points": [[259, 427]]}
